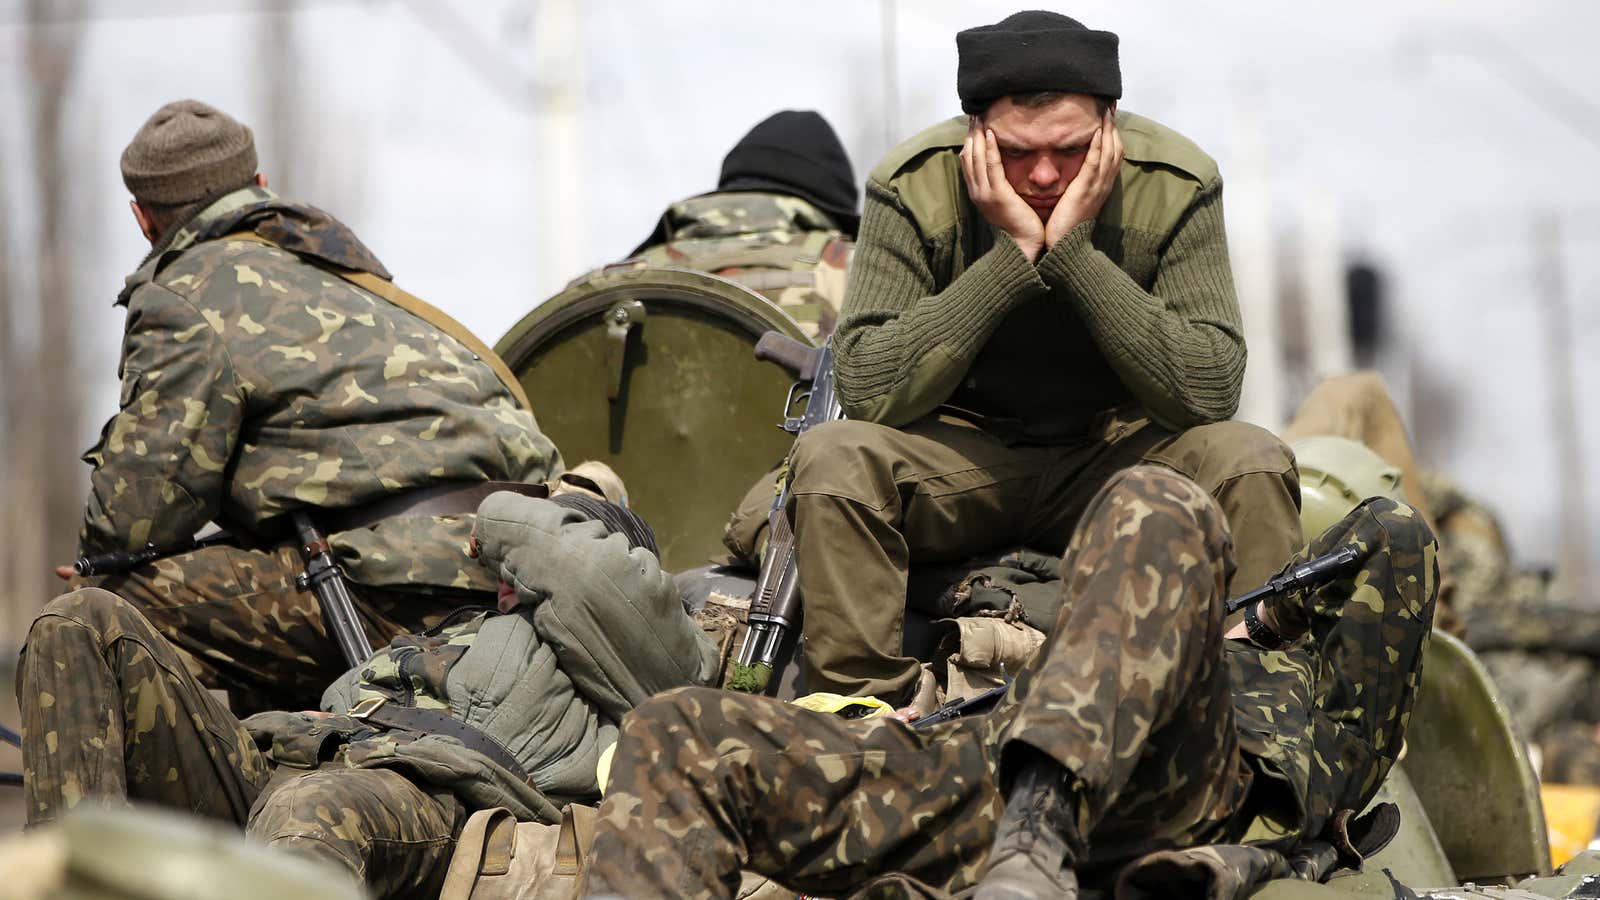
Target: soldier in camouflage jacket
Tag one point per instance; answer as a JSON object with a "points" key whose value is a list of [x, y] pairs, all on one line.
{"points": [[257, 381], [781, 221]]}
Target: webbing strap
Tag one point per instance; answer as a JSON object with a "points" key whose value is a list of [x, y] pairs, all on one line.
{"points": [[374, 711], [420, 308]]}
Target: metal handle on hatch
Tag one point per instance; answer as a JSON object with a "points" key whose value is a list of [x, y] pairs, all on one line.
{"points": [[620, 319]]}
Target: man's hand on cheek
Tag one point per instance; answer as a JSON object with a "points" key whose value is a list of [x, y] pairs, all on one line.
{"points": [[994, 196], [1087, 193]]}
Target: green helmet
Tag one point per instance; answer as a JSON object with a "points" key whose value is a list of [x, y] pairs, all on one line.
{"points": [[1336, 474]]}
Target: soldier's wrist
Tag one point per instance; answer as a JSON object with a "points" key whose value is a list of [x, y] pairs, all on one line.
{"points": [[1263, 630]]}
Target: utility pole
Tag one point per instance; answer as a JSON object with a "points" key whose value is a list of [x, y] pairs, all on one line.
{"points": [[1561, 371], [891, 74], [558, 157], [1252, 252], [1322, 273]]}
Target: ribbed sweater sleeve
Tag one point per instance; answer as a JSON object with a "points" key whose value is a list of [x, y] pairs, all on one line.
{"points": [[1180, 347], [902, 347]]}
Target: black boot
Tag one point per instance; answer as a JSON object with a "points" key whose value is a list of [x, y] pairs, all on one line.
{"points": [[1036, 841]]}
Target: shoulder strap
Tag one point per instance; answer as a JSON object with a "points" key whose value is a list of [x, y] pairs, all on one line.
{"points": [[420, 308], [472, 853], [577, 836]]}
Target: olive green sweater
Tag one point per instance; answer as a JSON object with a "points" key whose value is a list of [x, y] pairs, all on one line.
{"points": [[944, 310]]}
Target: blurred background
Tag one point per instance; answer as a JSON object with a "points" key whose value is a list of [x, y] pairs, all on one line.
{"points": [[1408, 187]]}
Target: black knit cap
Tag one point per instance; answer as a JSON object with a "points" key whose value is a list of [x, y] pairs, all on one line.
{"points": [[1034, 51], [795, 152]]}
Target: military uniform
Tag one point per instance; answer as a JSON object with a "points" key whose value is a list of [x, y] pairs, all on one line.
{"points": [[255, 382], [496, 710], [780, 246], [990, 396], [1275, 746]]}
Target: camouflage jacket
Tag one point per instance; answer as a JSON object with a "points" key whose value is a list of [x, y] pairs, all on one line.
{"points": [[256, 381], [782, 247], [599, 627]]}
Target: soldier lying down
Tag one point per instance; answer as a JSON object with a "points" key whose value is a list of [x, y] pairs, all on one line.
{"points": [[1138, 751], [500, 709]]}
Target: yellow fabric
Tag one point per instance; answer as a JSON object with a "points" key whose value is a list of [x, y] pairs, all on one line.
{"points": [[602, 769], [1570, 812], [824, 702], [423, 310]]}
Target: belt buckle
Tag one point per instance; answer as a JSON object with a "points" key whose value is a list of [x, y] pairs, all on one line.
{"points": [[366, 708]]}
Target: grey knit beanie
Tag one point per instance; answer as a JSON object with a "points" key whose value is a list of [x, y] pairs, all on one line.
{"points": [[188, 151]]}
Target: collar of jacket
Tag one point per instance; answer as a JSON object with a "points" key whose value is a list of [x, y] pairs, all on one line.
{"points": [[301, 229], [733, 213]]}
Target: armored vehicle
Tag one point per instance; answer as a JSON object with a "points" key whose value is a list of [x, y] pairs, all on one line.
{"points": [[651, 370]]}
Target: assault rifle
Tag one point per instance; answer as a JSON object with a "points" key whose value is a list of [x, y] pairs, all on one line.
{"points": [[1311, 573], [321, 577], [123, 560], [777, 598], [324, 580]]}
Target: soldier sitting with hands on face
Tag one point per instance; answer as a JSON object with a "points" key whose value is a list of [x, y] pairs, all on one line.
{"points": [[1040, 297]]}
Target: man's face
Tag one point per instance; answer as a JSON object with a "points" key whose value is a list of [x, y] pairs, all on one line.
{"points": [[1043, 147]]}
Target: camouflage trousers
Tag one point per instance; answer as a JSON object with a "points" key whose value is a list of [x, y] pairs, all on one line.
{"points": [[112, 715], [236, 620], [1131, 693]]}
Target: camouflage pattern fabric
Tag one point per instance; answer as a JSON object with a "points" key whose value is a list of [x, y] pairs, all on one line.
{"points": [[255, 381], [777, 245], [238, 624], [110, 715], [1133, 676], [1476, 564], [394, 835], [1326, 718], [1112, 697]]}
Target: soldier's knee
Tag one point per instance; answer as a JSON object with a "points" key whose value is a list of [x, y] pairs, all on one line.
{"points": [[832, 442], [296, 817], [846, 456], [96, 609], [1222, 451]]}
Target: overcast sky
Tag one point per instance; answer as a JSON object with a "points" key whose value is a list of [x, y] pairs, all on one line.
{"points": [[1436, 133]]}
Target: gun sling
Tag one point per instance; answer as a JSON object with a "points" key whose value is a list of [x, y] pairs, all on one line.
{"points": [[379, 712]]}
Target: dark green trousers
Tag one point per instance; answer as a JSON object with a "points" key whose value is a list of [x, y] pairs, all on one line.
{"points": [[870, 501]]}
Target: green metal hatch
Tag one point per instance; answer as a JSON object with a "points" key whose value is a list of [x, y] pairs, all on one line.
{"points": [[651, 371]]}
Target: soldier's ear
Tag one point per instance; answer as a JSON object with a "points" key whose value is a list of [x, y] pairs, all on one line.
{"points": [[147, 222], [261, 179]]}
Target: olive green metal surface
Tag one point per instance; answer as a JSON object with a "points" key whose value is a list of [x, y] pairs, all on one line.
{"points": [[1415, 857], [1471, 771], [693, 420]]}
